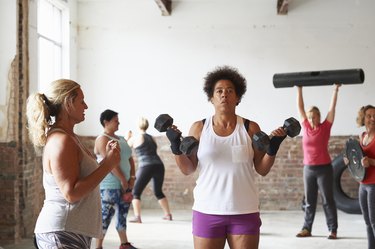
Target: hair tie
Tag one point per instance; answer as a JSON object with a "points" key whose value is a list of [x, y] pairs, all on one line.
{"points": [[52, 110], [45, 99]]}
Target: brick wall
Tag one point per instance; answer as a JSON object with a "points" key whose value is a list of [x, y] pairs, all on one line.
{"points": [[281, 189], [21, 192], [9, 215]]}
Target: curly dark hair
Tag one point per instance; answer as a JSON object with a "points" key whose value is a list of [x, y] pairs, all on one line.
{"points": [[224, 73]]}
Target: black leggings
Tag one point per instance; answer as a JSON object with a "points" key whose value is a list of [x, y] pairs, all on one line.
{"points": [[144, 176]]}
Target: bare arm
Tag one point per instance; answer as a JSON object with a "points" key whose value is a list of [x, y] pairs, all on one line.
{"points": [[62, 157], [188, 164], [130, 141], [332, 107], [367, 161], [301, 104], [129, 135], [132, 173], [100, 148], [262, 161], [136, 141]]}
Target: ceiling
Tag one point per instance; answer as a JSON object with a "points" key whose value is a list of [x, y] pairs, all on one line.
{"points": [[165, 7]]}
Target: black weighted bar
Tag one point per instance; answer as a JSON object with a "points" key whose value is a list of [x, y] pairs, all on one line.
{"points": [[319, 78]]}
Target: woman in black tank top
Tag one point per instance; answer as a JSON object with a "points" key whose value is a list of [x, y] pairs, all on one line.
{"points": [[150, 167]]}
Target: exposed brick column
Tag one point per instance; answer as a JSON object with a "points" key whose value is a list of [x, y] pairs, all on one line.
{"points": [[29, 176], [21, 192]]}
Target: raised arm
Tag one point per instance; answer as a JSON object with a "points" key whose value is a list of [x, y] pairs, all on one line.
{"points": [[136, 140], [301, 104], [332, 107]]}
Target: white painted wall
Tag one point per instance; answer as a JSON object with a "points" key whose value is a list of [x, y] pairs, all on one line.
{"points": [[7, 43], [8, 48], [137, 62], [131, 59], [33, 46]]}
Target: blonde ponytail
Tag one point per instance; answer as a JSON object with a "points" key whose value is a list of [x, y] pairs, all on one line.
{"points": [[41, 109]]}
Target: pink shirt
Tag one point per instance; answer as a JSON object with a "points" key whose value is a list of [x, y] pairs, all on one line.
{"points": [[369, 150], [315, 143]]}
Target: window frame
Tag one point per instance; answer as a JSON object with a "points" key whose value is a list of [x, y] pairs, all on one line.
{"points": [[60, 46]]}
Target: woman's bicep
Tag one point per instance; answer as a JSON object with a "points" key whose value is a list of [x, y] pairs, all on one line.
{"points": [[196, 129], [64, 162], [253, 129], [101, 145]]}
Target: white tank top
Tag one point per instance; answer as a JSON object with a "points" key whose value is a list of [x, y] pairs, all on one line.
{"points": [[83, 217], [226, 183]]}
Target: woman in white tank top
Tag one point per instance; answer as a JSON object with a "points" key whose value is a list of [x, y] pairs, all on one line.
{"points": [[226, 203], [71, 174]]}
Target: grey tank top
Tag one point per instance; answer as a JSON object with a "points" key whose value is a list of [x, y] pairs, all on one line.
{"points": [[82, 217], [147, 152]]}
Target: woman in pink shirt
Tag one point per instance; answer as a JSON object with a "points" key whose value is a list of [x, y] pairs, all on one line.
{"points": [[317, 171]]}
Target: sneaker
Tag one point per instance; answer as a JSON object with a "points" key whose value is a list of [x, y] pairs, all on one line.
{"points": [[135, 219], [167, 217], [304, 233], [127, 245], [333, 235]]}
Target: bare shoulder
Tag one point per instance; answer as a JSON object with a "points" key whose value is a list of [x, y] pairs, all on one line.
{"points": [[196, 129], [101, 139], [60, 145], [198, 124], [100, 143], [253, 128], [254, 125], [60, 139]]}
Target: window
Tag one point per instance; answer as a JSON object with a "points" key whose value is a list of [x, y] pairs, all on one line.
{"points": [[53, 41]]}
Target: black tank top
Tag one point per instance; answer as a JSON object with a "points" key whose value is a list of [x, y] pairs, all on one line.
{"points": [[146, 152]]}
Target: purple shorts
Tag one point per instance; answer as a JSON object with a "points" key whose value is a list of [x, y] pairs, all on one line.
{"points": [[218, 226]]}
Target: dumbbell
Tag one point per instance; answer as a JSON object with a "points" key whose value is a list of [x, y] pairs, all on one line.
{"points": [[261, 140], [163, 122]]}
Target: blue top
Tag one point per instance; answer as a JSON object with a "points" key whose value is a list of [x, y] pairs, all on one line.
{"points": [[111, 181]]}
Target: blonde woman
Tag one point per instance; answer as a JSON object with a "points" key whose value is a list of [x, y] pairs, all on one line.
{"points": [[317, 170], [71, 174], [150, 167]]}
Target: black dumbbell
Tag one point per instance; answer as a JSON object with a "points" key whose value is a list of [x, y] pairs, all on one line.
{"points": [[163, 122], [261, 140]]}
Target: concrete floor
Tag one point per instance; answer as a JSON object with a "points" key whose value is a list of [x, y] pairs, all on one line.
{"points": [[278, 231]]}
